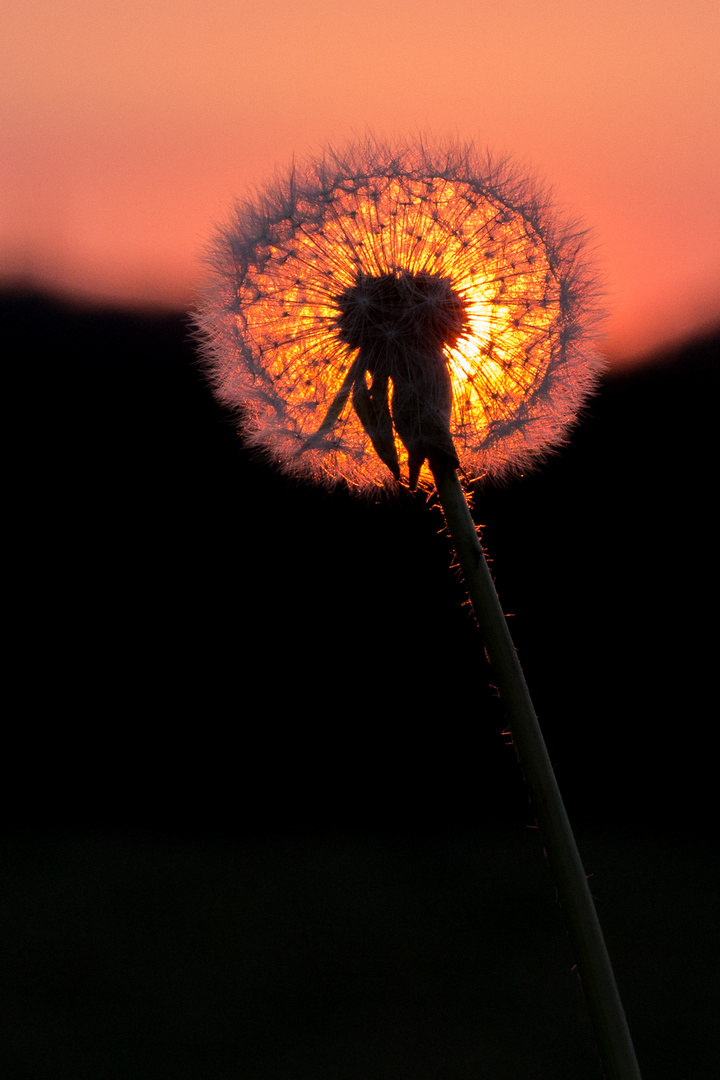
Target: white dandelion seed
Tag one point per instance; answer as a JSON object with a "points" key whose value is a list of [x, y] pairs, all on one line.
{"points": [[391, 303]]}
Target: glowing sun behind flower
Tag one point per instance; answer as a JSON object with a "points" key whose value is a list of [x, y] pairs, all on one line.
{"points": [[391, 235]]}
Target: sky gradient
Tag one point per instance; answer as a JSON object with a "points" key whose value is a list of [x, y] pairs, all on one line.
{"points": [[127, 130]]}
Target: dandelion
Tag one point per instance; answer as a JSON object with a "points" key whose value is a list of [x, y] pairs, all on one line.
{"points": [[392, 307], [394, 315]]}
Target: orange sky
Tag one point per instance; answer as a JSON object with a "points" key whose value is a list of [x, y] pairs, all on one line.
{"points": [[126, 129]]}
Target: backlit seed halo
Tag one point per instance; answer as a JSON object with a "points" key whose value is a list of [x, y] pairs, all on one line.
{"points": [[271, 316]]}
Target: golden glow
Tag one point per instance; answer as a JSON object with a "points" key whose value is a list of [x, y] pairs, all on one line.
{"points": [[379, 225], [281, 265]]}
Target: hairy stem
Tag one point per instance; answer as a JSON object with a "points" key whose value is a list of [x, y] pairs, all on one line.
{"points": [[586, 939]]}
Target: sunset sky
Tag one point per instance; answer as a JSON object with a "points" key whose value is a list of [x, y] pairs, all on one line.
{"points": [[127, 129]]}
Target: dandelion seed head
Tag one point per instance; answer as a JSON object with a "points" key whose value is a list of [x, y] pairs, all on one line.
{"points": [[391, 303]]}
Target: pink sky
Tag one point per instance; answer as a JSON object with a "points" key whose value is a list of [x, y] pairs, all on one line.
{"points": [[127, 129]]}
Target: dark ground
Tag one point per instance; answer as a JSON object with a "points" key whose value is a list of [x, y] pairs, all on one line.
{"points": [[259, 816]]}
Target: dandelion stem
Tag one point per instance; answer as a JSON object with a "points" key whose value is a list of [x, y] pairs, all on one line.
{"points": [[586, 939]]}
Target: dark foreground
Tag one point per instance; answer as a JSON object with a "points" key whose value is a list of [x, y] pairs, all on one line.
{"points": [[259, 815]]}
